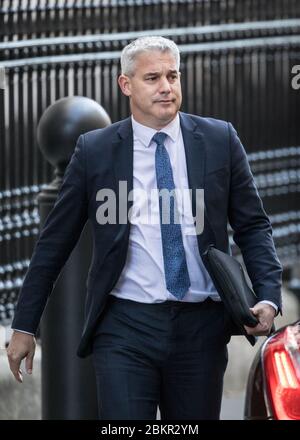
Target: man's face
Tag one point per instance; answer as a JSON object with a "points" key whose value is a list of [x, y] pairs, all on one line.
{"points": [[154, 89]]}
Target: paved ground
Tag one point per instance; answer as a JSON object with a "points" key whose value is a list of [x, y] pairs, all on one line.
{"points": [[233, 407]]}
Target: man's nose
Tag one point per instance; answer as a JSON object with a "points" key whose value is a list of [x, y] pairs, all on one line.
{"points": [[164, 85]]}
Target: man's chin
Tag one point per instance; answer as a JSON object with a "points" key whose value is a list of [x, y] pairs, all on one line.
{"points": [[167, 115]]}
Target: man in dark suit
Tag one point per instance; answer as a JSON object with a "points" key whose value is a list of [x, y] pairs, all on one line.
{"points": [[154, 321]]}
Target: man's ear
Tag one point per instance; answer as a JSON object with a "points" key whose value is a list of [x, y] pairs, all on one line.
{"points": [[124, 83]]}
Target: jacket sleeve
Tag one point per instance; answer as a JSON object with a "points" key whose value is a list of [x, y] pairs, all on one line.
{"points": [[252, 231], [57, 239]]}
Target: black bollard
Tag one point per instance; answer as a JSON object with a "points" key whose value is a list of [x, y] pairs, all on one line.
{"points": [[68, 382]]}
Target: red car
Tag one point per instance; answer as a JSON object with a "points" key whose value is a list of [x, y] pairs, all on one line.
{"points": [[273, 389]]}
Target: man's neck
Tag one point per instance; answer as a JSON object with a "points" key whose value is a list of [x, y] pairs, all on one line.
{"points": [[153, 125]]}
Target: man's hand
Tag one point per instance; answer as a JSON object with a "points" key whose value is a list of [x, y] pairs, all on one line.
{"points": [[21, 346], [265, 314]]}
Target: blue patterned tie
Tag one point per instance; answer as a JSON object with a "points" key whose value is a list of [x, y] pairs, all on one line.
{"points": [[176, 272]]}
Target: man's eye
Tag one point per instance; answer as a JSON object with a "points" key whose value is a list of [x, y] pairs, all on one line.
{"points": [[151, 78]]}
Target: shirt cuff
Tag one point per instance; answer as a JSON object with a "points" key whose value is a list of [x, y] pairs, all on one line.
{"points": [[22, 331], [271, 304]]}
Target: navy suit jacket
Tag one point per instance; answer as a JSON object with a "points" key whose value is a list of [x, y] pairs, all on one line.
{"points": [[216, 161]]}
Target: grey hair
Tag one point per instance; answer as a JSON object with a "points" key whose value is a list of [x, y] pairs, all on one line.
{"points": [[143, 44]]}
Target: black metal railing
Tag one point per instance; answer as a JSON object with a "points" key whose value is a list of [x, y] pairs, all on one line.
{"points": [[42, 18]]}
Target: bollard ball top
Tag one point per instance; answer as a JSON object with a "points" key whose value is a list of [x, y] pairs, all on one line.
{"points": [[63, 122]]}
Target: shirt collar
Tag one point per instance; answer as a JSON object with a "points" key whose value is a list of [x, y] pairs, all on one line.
{"points": [[144, 134]]}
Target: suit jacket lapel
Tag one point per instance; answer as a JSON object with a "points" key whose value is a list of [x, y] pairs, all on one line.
{"points": [[195, 152], [195, 155], [123, 164]]}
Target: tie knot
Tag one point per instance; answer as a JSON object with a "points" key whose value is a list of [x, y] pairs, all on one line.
{"points": [[159, 138]]}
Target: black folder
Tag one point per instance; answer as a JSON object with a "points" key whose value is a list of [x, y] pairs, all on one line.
{"points": [[230, 281]]}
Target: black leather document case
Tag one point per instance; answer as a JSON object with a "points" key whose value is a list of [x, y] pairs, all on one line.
{"points": [[230, 281]]}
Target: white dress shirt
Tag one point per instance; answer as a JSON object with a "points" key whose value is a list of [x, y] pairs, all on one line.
{"points": [[143, 277]]}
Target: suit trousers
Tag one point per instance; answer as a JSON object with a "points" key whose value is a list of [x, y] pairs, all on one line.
{"points": [[170, 355]]}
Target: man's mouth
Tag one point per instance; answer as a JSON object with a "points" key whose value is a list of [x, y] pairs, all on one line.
{"points": [[165, 100]]}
